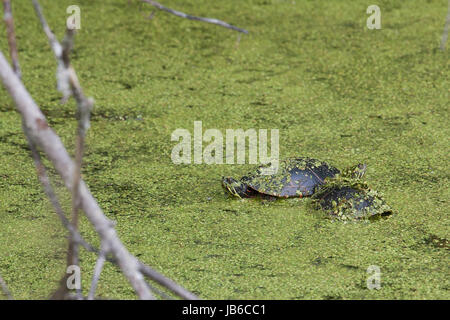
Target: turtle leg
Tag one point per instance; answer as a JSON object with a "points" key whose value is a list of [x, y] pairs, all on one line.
{"points": [[268, 198], [237, 188], [356, 172]]}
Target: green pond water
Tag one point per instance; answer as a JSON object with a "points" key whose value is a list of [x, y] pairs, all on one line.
{"points": [[334, 89]]}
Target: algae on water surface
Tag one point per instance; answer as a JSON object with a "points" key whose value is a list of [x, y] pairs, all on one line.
{"points": [[335, 90]]}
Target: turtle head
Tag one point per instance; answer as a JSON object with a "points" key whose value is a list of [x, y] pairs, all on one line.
{"points": [[356, 172], [236, 188]]}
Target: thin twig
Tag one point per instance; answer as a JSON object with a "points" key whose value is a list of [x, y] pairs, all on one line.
{"points": [[97, 271], [96, 277], [51, 195], [69, 85], [84, 107], [8, 17], [5, 289], [187, 16], [56, 47], [166, 282], [447, 23], [62, 74], [75, 237]]}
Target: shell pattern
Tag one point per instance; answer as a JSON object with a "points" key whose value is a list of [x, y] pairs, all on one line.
{"points": [[295, 178]]}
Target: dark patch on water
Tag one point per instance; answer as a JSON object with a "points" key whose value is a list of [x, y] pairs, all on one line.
{"points": [[317, 262], [8, 108], [126, 85], [258, 103], [248, 80], [320, 261], [437, 242], [350, 24], [349, 266], [235, 212], [191, 259]]}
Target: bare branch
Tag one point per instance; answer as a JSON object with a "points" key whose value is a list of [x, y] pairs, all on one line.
{"points": [[71, 171], [50, 193], [56, 47], [44, 137], [5, 288], [166, 282], [8, 17], [97, 270], [187, 16], [40, 168], [69, 85], [62, 73], [447, 23], [62, 292], [39, 134]]}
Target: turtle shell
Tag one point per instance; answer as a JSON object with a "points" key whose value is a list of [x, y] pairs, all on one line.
{"points": [[352, 203], [297, 177]]}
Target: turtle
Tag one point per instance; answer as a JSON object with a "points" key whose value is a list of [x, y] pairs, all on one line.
{"points": [[345, 199], [295, 177]]}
